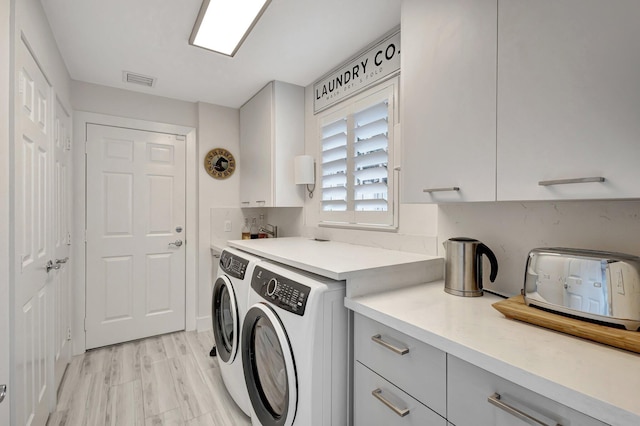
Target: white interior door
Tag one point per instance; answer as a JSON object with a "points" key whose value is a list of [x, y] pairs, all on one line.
{"points": [[135, 279], [62, 239], [33, 245]]}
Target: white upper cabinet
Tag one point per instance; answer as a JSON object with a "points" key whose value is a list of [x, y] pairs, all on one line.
{"points": [[568, 99], [271, 135], [448, 99]]}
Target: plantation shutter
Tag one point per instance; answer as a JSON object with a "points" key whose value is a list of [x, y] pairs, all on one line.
{"points": [[371, 158], [357, 150]]}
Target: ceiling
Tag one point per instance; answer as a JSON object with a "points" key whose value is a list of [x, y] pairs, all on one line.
{"points": [[296, 41]]}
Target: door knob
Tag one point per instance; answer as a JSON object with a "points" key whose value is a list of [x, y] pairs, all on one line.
{"points": [[61, 261], [3, 392], [50, 265], [176, 243]]}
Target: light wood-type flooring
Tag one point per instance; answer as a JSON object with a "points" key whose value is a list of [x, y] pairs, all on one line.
{"points": [[162, 380]]}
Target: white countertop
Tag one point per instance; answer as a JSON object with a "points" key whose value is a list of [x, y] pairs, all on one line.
{"points": [[332, 259], [598, 380]]}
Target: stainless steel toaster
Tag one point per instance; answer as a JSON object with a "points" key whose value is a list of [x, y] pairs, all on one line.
{"points": [[595, 285]]}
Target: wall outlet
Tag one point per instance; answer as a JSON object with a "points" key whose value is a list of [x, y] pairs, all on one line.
{"points": [[227, 226]]}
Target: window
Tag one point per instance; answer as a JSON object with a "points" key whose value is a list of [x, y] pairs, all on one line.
{"points": [[358, 179]]}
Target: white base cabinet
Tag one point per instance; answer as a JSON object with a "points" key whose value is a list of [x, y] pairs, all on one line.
{"points": [[409, 374], [469, 389], [377, 402], [399, 380], [271, 135]]}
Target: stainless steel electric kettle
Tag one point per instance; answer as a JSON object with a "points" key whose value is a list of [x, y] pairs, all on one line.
{"points": [[463, 266]]}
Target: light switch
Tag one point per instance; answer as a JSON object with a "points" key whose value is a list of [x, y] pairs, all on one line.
{"points": [[227, 226]]}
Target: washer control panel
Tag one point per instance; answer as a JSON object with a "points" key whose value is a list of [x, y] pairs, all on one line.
{"points": [[233, 265], [281, 291]]}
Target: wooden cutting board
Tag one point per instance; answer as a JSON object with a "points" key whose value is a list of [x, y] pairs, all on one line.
{"points": [[515, 308]]}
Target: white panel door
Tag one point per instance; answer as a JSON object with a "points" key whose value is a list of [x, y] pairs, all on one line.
{"points": [[135, 283], [33, 245], [61, 239]]}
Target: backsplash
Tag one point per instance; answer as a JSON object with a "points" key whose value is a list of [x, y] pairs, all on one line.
{"points": [[511, 229]]}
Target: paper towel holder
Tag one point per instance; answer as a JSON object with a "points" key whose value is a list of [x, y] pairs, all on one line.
{"points": [[305, 172]]}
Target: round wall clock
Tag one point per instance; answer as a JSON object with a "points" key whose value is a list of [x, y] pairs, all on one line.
{"points": [[219, 163]]}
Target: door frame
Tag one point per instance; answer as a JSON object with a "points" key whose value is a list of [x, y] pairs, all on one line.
{"points": [[80, 121]]}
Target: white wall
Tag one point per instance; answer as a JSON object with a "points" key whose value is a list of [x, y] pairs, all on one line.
{"points": [[511, 229], [123, 103], [5, 226], [417, 222], [218, 127], [32, 25]]}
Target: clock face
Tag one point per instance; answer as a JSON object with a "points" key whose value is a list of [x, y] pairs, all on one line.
{"points": [[219, 163]]}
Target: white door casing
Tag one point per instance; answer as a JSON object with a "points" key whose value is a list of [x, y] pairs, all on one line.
{"points": [[33, 243], [5, 208], [135, 278], [62, 195]]}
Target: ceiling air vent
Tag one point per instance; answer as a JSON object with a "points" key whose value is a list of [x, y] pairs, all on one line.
{"points": [[143, 80]]}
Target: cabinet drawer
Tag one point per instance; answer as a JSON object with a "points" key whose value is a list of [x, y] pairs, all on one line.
{"points": [[370, 410], [420, 372], [469, 388]]}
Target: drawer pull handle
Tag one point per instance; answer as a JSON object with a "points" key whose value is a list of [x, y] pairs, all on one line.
{"points": [[377, 393], [495, 399], [452, 188], [566, 181], [400, 351]]}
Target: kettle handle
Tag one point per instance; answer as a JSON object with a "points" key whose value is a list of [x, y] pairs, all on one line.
{"points": [[483, 249]]}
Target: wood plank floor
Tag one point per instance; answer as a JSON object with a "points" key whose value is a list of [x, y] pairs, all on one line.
{"points": [[162, 380]]}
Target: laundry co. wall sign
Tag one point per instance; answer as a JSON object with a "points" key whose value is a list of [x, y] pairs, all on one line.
{"points": [[375, 64]]}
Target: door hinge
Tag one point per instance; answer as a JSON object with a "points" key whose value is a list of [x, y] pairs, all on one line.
{"points": [[68, 238], [21, 84], [85, 235], [67, 146], [85, 323], [68, 334]]}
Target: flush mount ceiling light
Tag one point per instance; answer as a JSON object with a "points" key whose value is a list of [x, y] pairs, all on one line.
{"points": [[223, 25]]}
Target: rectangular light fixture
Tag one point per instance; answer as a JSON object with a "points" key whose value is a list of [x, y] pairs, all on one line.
{"points": [[223, 25]]}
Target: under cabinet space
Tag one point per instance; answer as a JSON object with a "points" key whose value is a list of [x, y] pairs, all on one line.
{"points": [[477, 397], [378, 402], [415, 367]]}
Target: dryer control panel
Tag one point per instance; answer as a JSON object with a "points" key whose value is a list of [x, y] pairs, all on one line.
{"points": [[233, 265], [281, 291]]}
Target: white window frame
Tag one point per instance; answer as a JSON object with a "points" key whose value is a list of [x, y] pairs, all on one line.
{"points": [[380, 221]]}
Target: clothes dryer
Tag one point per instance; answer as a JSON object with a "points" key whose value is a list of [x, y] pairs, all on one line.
{"points": [[294, 348], [228, 309]]}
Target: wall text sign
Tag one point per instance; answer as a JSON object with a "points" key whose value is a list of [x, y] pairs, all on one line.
{"points": [[371, 66]]}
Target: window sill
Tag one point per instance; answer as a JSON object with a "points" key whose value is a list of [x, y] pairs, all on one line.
{"points": [[359, 227]]}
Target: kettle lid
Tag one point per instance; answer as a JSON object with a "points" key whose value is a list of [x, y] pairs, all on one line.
{"points": [[463, 239]]}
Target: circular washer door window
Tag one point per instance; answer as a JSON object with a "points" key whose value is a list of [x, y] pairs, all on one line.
{"points": [[219, 163]]}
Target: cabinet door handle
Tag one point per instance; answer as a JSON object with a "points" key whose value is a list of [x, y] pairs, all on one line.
{"points": [[245, 202], [400, 351], [495, 399], [377, 393], [574, 180], [3, 392], [451, 188]]}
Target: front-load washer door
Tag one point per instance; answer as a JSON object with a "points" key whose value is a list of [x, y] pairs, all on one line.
{"points": [[269, 368], [226, 320]]}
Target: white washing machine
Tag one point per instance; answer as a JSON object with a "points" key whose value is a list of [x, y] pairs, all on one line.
{"points": [[294, 348], [228, 309]]}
